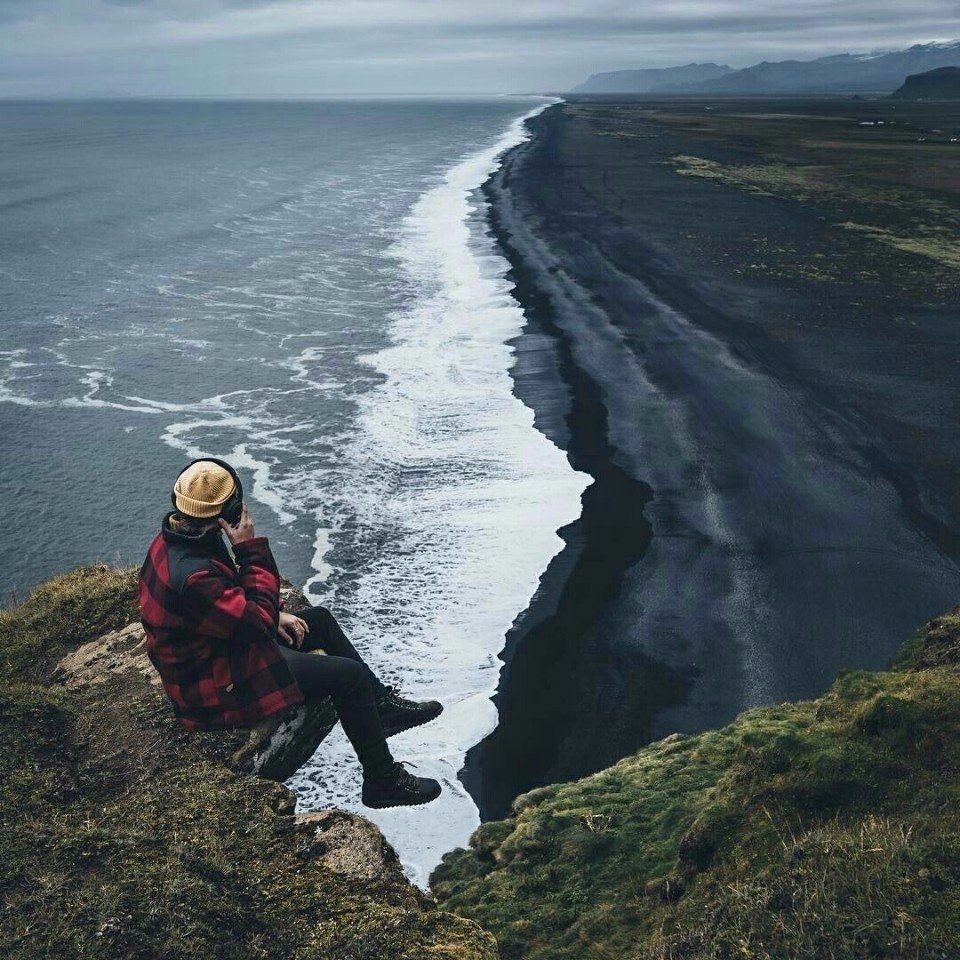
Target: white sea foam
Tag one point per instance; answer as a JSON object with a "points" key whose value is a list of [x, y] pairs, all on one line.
{"points": [[448, 461]]}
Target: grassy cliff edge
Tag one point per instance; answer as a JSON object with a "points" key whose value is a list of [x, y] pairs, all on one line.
{"points": [[827, 828], [125, 836]]}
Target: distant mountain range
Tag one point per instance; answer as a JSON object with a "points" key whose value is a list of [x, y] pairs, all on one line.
{"points": [[940, 84], [881, 72]]}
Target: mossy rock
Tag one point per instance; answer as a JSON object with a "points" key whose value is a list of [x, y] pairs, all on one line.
{"points": [[936, 645]]}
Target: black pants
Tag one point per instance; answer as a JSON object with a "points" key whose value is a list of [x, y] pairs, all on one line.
{"points": [[347, 680]]}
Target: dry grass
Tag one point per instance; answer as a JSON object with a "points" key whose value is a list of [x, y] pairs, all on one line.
{"points": [[62, 614]]}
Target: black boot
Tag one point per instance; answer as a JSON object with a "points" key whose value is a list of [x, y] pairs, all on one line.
{"points": [[398, 789], [397, 713]]}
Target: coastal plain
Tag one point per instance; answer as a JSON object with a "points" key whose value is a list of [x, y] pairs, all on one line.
{"points": [[742, 324]]}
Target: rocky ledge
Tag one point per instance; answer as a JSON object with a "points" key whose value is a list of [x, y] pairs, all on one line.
{"points": [[125, 836]]}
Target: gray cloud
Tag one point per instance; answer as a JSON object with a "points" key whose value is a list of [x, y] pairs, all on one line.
{"points": [[11, 10], [318, 47]]}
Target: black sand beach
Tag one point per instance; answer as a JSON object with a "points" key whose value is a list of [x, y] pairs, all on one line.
{"points": [[742, 323]]}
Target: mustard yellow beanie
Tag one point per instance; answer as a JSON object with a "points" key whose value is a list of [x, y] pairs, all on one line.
{"points": [[202, 489]]}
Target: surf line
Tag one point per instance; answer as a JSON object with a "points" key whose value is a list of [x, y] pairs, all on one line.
{"points": [[548, 676], [449, 465]]}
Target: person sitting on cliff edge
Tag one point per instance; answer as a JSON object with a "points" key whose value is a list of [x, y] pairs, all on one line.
{"points": [[228, 656]]}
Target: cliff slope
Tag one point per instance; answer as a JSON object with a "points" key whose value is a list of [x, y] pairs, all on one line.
{"points": [[940, 84], [652, 80], [125, 836], [824, 828]]}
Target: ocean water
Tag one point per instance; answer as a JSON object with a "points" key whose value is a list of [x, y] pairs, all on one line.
{"points": [[309, 290]]}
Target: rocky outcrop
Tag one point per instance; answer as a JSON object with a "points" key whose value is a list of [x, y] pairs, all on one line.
{"points": [[349, 845], [820, 828], [112, 655], [275, 749]]}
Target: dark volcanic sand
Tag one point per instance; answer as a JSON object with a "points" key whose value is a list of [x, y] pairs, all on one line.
{"points": [[767, 403]]}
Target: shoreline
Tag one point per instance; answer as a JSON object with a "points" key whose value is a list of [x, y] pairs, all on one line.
{"points": [[454, 468], [610, 535], [750, 530]]}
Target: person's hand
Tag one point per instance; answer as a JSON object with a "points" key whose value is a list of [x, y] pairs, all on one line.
{"points": [[292, 630], [242, 531]]}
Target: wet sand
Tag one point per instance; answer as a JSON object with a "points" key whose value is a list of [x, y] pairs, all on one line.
{"points": [[759, 371]]}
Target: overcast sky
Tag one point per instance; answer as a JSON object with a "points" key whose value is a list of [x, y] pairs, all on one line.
{"points": [[311, 48]]}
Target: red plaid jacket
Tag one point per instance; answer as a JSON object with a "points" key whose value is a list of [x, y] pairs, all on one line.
{"points": [[211, 627]]}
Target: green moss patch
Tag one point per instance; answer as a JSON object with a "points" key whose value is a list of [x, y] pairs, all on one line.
{"points": [[768, 180], [939, 244]]}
